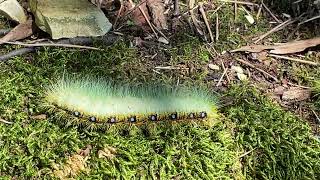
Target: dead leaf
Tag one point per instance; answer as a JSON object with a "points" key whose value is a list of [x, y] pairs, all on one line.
{"points": [[297, 94], [39, 117], [108, 152], [21, 31], [136, 15], [157, 9], [282, 48], [295, 46], [74, 165], [85, 152], [279, 90]]}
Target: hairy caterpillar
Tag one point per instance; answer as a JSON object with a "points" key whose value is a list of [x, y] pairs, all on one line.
{"points": [[100, 104]]}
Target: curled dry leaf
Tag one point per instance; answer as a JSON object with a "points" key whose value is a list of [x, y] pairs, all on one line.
{"points": [[108, 152], [74, 165], [86, 151], [21, 31]]}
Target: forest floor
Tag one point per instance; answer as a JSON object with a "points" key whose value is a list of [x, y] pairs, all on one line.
{"points": [[270, 122]]}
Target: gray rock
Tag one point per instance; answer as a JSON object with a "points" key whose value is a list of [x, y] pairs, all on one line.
{"points": [[69, 18], [12, 10]]}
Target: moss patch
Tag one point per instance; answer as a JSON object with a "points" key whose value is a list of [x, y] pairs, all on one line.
{"points": [[282, 145]]}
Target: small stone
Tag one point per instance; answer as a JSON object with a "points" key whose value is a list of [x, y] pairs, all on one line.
{"points": [[237, 69], [249, 19], [13, 10], [242, 77], [163, 40], [214, 67]]}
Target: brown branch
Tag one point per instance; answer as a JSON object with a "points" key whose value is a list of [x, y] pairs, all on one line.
{"points": [[105, 40]]}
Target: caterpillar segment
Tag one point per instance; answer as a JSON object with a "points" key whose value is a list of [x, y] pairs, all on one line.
{"points": [[102, 105]]}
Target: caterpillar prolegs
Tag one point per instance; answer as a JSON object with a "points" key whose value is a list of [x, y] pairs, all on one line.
{"points": [[100, 104]]}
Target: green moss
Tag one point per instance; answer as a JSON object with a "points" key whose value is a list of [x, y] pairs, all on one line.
{"points": [[30, 147], [282, 145]]}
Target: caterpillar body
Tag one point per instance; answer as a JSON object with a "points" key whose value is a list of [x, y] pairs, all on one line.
{"points": [[100, 104]]}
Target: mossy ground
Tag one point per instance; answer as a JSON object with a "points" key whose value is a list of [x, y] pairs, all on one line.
{"points": [[255, 140]]}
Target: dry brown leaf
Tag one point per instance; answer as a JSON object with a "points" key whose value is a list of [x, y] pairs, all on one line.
{"points": [[74, 165], [136, 15], [295, 46], [157, 9], [86, 152], [282, 48], [21, 31], [296, 94], [108, 152]]}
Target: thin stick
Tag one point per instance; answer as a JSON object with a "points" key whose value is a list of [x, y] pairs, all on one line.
{"points": [[254, 67], [149, 23], [225, 69], [134, 8], [17, 52], [269, 11], [6, 122], [308, 20], [275, 29], [246, 153], [53, 45], [300, 86], [170, 68], [118, 16], [259, 11], [235, 10], [222, 76], [239, 2], [217, 27], [206, 20], [295, 60], [315, 114]]}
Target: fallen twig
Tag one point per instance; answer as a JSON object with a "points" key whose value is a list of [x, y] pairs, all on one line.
{"points": [[254, 67], [246, 153], [222, 76], [295, 60], [149, 23], [206, 20], [53, 45], [300, 86], [131, 10], [269, 11], [275, 29], [170, 68], [315, 114], [17, 52], [217, 27], [308, 20], [106, 40], [6, 122], [239, 2]]}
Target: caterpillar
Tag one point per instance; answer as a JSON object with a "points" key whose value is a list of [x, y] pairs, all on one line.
{"points": [[100, 104]]}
